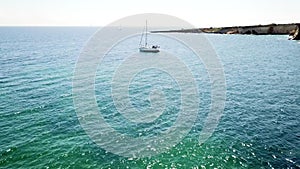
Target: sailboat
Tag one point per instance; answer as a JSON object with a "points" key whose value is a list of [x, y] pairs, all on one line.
{"points": [[144, 47]]}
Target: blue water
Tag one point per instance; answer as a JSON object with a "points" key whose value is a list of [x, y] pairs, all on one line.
{"points": [[260, 127]]}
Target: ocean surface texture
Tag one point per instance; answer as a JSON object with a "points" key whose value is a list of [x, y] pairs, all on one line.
{"points": [[260, 126]]}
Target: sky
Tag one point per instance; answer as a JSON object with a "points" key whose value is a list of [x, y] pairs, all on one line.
{"points": [[200, 13]]}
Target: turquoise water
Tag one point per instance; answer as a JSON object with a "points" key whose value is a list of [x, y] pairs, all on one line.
{"points": [[260, 127]]}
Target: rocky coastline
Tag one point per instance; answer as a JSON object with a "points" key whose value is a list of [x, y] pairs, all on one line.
{"points": [[293, 30]]}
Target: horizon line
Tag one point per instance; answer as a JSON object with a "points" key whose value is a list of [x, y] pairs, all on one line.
{"points": [[106, 25]]}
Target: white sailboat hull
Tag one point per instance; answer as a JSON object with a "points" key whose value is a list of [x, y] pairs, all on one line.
{"points": [[150, 50]]}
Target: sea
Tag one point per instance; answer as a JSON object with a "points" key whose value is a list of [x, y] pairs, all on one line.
{"points": [[40, 126]]}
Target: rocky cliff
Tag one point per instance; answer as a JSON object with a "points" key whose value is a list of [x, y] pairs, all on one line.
{"points": [[271, 29]]}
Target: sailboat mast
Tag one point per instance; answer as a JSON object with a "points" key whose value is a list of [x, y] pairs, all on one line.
{"points": [[146, 34]]}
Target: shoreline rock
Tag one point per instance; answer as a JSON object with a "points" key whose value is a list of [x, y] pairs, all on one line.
{"points": [[296, 35]]}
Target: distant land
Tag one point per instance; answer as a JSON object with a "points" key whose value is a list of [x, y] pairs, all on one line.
{"points": [[272, 29]]}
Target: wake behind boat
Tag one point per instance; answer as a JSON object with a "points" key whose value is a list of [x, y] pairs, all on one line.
{"points": [[144, 47]]}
